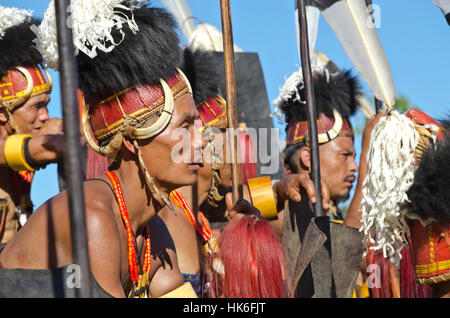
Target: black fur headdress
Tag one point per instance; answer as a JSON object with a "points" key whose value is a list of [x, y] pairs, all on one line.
{"points": [[331, 92], [201, 73], [17, 47], [445, 123], [431, 187], [151, 54]]}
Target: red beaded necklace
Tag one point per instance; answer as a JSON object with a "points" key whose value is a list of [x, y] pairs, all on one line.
{"points": [[204, 230], [140, 282]]}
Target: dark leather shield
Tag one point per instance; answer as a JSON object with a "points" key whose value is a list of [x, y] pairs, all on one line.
{"points": [[314, 271]]}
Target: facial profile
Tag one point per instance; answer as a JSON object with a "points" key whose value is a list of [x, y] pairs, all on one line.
{"points": [[157, 152], [337, 165], [32, 115]]}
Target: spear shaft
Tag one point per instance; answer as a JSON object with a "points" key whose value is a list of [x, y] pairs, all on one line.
{"points": [[72, 148], [230, 85], [311, 106]]}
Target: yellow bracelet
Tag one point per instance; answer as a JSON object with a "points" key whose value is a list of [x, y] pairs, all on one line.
{"points": [[14, 154], [261, 194]]}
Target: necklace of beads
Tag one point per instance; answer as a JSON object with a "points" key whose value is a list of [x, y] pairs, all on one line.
{"points": [[140, 281], [204, 230]]}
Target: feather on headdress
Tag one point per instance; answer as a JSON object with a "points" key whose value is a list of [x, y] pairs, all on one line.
{"points": [[330, 91], [16, 39]]}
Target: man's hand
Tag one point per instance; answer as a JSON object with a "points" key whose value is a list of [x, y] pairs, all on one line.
{"points": [[240, 209], [289, 188], [46, 149]]}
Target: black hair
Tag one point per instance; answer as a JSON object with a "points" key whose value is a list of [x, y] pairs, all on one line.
{"points": [[201, 73], [330, 91], [429, 192], [289, 156], [17, 47]]}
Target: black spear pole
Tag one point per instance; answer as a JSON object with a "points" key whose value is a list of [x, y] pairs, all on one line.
{"points": [[322, 221], [311, 106], [72, 147]]}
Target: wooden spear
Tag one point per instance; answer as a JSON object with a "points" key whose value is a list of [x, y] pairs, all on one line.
{"points": [[230, 85]]}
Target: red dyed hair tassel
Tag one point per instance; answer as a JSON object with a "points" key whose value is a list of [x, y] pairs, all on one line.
{"points": [[409, 286], [252, 262], [96, 164], [382, 288]]}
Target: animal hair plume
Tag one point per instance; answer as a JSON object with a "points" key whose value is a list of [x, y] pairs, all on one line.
{"points": [[17, 48]]}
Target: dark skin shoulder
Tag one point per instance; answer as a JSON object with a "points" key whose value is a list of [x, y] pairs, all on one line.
{"points": [[45, 240]]}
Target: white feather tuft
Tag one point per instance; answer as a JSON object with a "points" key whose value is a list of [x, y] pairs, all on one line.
{"points": [[390, 174], [207, 37], [182, 14], [10, 17], [92, 23]]}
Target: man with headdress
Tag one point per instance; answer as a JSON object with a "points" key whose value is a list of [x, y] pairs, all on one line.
{"points": [[29, 139], [402, 228], [190, 229], [337, 97], [135, 98]]}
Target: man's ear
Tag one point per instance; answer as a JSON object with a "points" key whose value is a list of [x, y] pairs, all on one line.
{"points": [[305, 158], [287, 169], [3, 117], [129, 145]]}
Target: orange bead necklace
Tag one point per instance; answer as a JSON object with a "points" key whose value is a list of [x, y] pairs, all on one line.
{"points": [[204, 230], [140, 281]]}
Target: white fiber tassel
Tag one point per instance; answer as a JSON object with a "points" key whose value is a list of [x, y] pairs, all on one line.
{"points": [[390, 174]]}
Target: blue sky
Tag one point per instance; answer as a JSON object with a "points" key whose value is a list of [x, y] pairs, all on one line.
{"points": [[414, 34]]}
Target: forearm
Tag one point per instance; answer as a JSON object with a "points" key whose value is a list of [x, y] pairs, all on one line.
{"points": [[42, 150], [353, 217]]}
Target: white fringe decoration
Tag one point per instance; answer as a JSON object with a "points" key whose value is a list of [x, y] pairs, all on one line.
{"points": [[10, 17], [390, 174], [91, 22]]}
